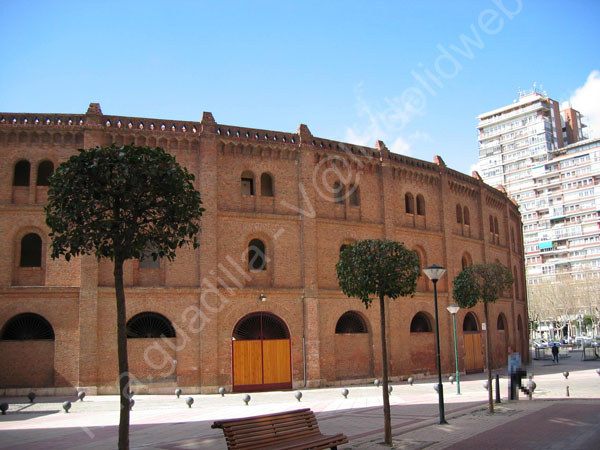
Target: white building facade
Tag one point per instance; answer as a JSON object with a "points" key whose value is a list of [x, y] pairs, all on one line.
{"points": [[542, 158]]}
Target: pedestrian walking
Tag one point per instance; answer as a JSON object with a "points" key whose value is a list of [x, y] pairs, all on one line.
{"points": [[515, 372], [555, 353]]}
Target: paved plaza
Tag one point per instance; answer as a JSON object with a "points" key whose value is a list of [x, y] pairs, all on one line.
{"points": [[552, 420]]}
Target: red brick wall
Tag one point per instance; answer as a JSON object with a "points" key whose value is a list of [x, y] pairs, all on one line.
{"points": [[152, 359], [353, 356], [205, 292], [27, 363]]}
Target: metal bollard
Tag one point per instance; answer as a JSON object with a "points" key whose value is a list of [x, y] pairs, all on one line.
{"points": [[531, 385], [498, 389], [568, 391]]}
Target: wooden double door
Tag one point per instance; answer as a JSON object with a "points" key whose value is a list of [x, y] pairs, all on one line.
{"points": [[261, 354], [261, 365], [473, 352]]}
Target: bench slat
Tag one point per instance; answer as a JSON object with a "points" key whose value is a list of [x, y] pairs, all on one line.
{"points": [[274, 416], [295, 430], [300, 422], [243, 440], [321, 442]]}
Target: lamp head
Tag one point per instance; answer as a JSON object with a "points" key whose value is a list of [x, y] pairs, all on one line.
{"points": [[453, 309], [434, 272]]}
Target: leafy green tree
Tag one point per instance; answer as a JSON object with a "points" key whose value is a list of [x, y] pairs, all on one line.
{"points": [[379, 268], [119, 202], [485, 282]]}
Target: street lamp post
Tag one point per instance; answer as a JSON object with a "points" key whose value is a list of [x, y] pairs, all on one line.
{"points": [[453, 309], [434, 273]]}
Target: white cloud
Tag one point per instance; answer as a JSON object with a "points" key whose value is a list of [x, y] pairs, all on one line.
{"points": [[586, 100], [400, 145], [383, 121], [420, 136], [475, 168]]}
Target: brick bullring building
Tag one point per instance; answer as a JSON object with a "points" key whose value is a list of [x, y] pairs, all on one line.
{"points": [[257, 306]]}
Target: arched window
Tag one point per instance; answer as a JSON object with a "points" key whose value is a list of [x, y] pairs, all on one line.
{"points": [[45, 171], [149, 325], [350, 322], [422, 278], [260, 325], [470, 323], [147, 261], [338, 193], [354, 195], [420, 323], [420, 205], [343, 247], [257, 259], [491, 224], [420, 254], [247, 183], [467, 218], [27, 326], [496, 228], [466, 261], [31, 251], [266, 185], [501, 323], [459, 218], [21, 176], [409, 203]]}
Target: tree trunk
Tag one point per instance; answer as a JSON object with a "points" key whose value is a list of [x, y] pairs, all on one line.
{"points": [[122, 355], [387, 421], [488, 358]]}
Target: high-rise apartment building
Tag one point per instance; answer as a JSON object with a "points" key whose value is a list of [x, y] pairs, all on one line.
{"points": [[517, 137], [544, 161], [542, 158]]}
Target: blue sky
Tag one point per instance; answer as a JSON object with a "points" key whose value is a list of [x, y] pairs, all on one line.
{"points": [[413, 74]]}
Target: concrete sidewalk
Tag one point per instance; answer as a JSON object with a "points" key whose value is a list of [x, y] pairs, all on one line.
{"points": [[165, 422]]}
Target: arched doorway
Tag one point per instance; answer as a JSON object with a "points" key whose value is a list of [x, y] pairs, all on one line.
{"points": [[261, 353], [472, 337], [352, 346], [502, 340], [153, 336], [27, 346], [422, 344]]}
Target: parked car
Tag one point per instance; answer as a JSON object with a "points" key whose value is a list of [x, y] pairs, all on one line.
{"points": [[540, 343], [586, 341]]}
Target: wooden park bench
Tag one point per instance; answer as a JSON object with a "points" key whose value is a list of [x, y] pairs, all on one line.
{"points": [[287, 430]]}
